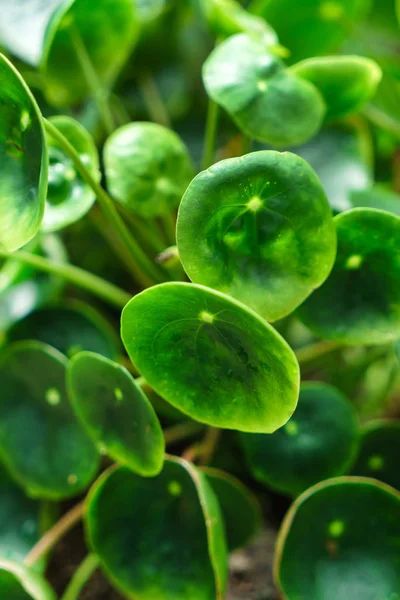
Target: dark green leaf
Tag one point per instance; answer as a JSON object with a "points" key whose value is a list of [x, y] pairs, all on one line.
{"points": [[319, 441], [167, 541], [211, 357], [267, 102], [41, 442], [340, 541], [23, 161], [358, 304], [258, 227]]}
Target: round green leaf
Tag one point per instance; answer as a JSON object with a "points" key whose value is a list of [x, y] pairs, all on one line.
{"points": [[311, 27], [116, 413], [80, 31], [340, 540], [258, 227], [69, 327], [211, 357], [379, 452], [346, 83], [167, 541], [239, 507], [147, 168], [267, 102], [318, 442], [358, 303], [69, 198], [41, 441], [19, 583], [23, 161]]}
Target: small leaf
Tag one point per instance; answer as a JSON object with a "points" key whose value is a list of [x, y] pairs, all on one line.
{"points": [[239, 507], [267, 102], [116, 413], [211, 357], [346, 83], [258, 227], [69, 327], [379, 452], [41, 442], [318, 442], [103, 32], [147, 168], [23, 161], [20, 583], [339, 540], [69, 198], [167, 541], [358, 303]]}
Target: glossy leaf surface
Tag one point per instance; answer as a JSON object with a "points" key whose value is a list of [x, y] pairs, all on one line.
{"points": [[23, 161], [147, 167], [318, 442], [211, 357], [116, 413], [19, 583], [41, 442], [267, 102], [346, 83], [240, 510], [69, 327], [311, 27], [69, 198], [348, 530], [80, 31], [167, 541], [260, 228], [379, 452], [358, 302]]}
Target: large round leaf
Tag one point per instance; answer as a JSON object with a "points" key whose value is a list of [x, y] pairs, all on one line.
{"points": [[147, 168], [258, 227], [211, 357], [68, 197], [19, 583], [239, 507], [379, 452], [102, 32], [41, 441], [358, 304], [318, 442], [267, 102], [116, 413], [69, 327], [167, 541], [340, 540], [23, 161], [345, 82]]}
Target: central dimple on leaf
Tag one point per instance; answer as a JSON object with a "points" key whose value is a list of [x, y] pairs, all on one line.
{"points": [[254, 204], [206, 316]]}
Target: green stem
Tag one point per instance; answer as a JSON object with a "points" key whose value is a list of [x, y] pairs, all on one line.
{"points": [[89, 72], [210, 134], [169, 224], [308, 355], [182, 431], [83, 279], [153, 100], [81, 576], [149, 274]]}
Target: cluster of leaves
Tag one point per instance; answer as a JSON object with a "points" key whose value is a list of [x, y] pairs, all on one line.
{"points": [[307, 239]]}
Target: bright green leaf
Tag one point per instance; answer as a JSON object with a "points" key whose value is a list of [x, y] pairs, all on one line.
{"points": [[167, 541], [116, 413], [41, 442], [267, 102], [211, 357], [359, 302], [340, 540], [258, 227], [20, 583], [23, 161]]}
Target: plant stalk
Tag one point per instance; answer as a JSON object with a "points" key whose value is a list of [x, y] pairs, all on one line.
{"points": [[81, 576], [210, 134], [152, 98]]}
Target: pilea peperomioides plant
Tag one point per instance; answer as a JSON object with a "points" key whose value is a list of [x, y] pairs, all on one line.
{"points": [[256, 287]]}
